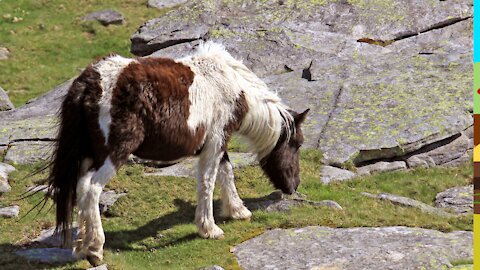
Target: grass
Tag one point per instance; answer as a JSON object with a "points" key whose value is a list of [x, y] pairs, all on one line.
{"points": [[50, 43], [152, 227]]}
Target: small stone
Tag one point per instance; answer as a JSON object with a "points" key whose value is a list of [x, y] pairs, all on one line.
{"points": [[404, 201], [47, 255], [4, 53], [214, 267], [10, 212], [160, 4], [382, 166], [108, 199], [4, 186], [458, 199], [105, 17], [279, 202], [5, 103], [332, 174], [52, 239], [100, 267]]}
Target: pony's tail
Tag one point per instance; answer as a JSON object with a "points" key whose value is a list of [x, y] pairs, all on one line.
{"points": [[72, 147]]}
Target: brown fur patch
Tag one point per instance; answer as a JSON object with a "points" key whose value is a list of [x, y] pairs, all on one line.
{"points": [[150, 108]]}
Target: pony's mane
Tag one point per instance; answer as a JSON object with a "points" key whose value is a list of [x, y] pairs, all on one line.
{"points": [[267, 115]]}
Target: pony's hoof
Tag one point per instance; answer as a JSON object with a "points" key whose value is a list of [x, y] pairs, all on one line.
{"points": [[94, 260], [240, 212], [213, 233]]}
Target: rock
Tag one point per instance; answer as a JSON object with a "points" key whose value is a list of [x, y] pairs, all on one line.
{"points": [[214, 267], [457, 199], [279, 202], [382, 166], [47, 255], [404, 201], [9, 212], [27, 152], [105, 17], [108, 199], [422, 161], [354, 248], [100, 267], [4, 53], [161, 4], [187, 167], [5, 169], [50, 238], [5, 103], [412, 60], [332, 174]]}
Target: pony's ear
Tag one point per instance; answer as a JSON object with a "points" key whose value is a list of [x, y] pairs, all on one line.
{"points": [[299, 118]]}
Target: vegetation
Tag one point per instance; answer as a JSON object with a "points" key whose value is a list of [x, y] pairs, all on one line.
{"points": [[152, 227], [50, 43]]}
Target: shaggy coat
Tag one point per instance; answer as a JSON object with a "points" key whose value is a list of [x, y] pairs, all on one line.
{"points": [[164, 110]]}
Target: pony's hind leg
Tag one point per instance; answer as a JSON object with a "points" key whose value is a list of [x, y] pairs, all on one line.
{"points": [[82, 187], [232, 205], [92, 237]]}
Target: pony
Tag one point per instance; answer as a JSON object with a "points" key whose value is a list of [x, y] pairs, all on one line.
{"points": [[164, 110]]}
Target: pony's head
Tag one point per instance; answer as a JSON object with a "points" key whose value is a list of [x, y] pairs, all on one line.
{"points": [[282, 164]]}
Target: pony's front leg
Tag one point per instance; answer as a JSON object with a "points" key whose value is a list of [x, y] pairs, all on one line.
{"points": [[232, 205], [207, 168]]}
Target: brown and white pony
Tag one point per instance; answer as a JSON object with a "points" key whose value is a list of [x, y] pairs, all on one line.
{"points": [[164, 109]]}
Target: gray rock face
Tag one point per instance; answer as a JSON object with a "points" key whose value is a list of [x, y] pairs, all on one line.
{"points": [[333, 174], [10, 211], [382, 166], [47, 255], [4, 53], [214, 267], [457, 199], [5, 103], [27, 132], [105, 17], [404, 201], [354, 248], [364, 69], [160, 4], [108, 199]]}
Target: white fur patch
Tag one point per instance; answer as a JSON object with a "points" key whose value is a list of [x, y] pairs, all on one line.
{"points": [[109, 70], [219, 81], [104, 173]]}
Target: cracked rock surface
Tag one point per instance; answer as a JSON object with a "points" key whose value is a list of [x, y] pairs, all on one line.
{"points": [[379, 84], [355, 248]]}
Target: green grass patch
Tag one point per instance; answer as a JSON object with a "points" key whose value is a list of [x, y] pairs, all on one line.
{"points": [[50, 43], [152, 227]]}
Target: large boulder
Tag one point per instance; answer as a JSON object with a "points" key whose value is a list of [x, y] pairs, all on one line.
{"points": [[382, 79], [355, 248]]}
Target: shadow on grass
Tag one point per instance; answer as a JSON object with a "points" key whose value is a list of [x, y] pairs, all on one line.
{"points": [[123, 239]]}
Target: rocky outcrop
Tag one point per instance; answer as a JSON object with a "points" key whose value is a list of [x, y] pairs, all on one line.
{"points": [[457, 199], [105, 17], [355, 248], [379, 86], [330, 174]]}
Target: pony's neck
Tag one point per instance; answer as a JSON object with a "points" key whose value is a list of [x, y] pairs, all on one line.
{"points": [[264, 124]]}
